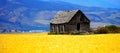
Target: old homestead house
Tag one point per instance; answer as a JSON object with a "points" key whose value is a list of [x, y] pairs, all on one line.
{"points": [[70, 22]]}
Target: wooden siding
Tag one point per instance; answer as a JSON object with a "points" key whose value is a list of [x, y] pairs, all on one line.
{"points": [[57, 28]]}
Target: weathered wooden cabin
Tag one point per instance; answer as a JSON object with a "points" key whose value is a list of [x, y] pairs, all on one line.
{"points": [[70, 22]]}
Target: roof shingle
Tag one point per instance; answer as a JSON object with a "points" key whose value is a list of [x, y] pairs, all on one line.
{"points": [[63, 17]]}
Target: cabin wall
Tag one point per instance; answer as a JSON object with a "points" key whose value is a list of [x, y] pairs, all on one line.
{"points": [[69, 28], [72, 25], [51, 28], [84, 27], [57, 28]]}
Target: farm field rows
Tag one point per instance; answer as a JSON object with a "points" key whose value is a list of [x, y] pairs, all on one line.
{"points": [[44, 43]]}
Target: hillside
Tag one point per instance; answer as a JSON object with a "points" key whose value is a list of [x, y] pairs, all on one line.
{"points": [[24, 15], [43, 43]]}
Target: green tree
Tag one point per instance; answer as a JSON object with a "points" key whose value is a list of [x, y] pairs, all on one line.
{"points": [[101, 30], [107, 29], [112, 28]]}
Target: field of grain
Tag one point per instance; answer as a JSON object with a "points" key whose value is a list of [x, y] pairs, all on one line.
{"points": [[43, 43]]}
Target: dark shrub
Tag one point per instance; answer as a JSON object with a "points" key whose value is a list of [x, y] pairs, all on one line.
{"points": [[107, 29], [112, 28], [101, 30]]}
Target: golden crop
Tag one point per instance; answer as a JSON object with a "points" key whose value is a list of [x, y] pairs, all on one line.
{"points": [[43, 43]]}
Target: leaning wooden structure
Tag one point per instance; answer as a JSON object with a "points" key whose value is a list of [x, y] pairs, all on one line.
{"points": [[73, 21]]}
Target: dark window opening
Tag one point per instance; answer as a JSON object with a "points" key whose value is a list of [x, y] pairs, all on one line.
{"points": [[78, 26], [82, 18]]}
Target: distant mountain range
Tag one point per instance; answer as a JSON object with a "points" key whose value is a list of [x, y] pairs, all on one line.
{"points": [[35, 15]]}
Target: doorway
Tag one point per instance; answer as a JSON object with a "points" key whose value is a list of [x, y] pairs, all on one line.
{"points": [[78, 26]]}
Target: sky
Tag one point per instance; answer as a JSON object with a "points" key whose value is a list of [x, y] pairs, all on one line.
{"points": [[94, 3]]}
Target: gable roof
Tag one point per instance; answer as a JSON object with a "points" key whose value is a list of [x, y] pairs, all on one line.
{"points": [[63, 16]]}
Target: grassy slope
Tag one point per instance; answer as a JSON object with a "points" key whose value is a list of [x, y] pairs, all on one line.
{"points": [[43, 43]]}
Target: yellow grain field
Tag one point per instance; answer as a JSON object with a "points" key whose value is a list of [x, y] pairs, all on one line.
{"points": [[43, 43]]}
